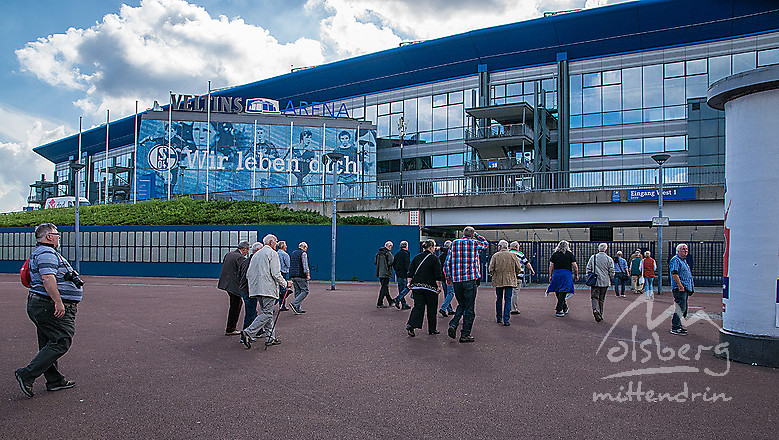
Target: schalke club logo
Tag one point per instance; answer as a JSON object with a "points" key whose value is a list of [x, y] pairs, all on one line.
{"points": [[162, 158]]}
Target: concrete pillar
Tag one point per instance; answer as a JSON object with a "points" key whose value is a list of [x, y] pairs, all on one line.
{"points": [[751, 262]]}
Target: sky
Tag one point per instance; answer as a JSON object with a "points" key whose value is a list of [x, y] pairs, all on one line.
{"points": [[61, 60]]}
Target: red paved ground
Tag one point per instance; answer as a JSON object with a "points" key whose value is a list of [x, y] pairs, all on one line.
{"points": [[151, 361]]}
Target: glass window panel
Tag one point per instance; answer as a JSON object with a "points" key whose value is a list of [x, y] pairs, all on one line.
{"points": [[529, 87], [356, 113], [513, 100], [743, 62], [454, 134], [499, 101], [653, 85], [767, 57], [631, 146], [676, 143], [497, 92], [576, 150], [576, 94], [455, 116], [384, 109], [697, 86], [576, 121], [591, 79], [631, 88], [549, 84], [396, 107], [719, 67], [514, 89], [672, 70], [593, 120], [393, 125], [439, 161], [424, 163], [383, 126], [409, 164], [215, 255], [439, 118], [370, 114], [198, 238], [592, 149], [470, 98], [653, 114], [696, 67], [612, 98], [425, 137], [591, 102], [673, 91], [653, 144], [612, 77], [455, 160], [530, 99], [410, 114], [675, 112], [612, 118], [439, 136], [551, 99], [425, 113], [456, 97], [612, 147]]}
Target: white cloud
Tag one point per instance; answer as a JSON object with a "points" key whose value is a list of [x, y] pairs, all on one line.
{"points": [[23, 166], [142, 52]]}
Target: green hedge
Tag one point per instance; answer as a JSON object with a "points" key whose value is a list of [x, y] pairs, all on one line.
{"points": [[180, 211]]}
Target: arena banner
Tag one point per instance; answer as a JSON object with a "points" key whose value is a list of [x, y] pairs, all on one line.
{"points": [[275, 163]]}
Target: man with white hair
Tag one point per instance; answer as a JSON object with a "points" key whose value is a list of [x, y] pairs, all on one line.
{"points": [[446, 306], [250, 304], [505, 269], [264, 276], [603, 266], [300, 274], [682, 286], [383, 262]]}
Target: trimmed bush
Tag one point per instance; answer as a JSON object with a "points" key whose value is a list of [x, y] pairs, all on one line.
{"points": [[180, 211]]}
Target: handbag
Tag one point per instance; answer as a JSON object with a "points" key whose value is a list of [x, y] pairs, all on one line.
{"points": [[592, 279]]}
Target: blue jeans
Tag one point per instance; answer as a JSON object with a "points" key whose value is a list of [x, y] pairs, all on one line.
{"points": [[648, 281], [680, 298], [250, 309], [619, 286], [54, 338], [447, 304], [402, 290], [503, 303], [465, 292]]}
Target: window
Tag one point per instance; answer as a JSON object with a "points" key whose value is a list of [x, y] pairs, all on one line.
{"points": [[631, 88], [743, 62], [592, 149], [631, 146], [696, 67], [396, 107], [425, 112], [388, 166], [455, 160], [576, 150], [612, 98], [439, 161], [676, 143], [767, 57], [719, 67], [653, 145], [612, 77], [456, 97], [612, 148], [384, 109], [673, 70], [653, 86]]}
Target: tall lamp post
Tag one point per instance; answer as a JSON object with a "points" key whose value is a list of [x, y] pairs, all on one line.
{"points": [[182, 168], [660, 159], [334, 157], [76, 167], [402, 126]]}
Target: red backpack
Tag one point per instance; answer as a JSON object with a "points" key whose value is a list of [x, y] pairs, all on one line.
{"points": [[24, 274]]}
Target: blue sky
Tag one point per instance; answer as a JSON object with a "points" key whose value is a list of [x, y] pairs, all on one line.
{"points": [[63, 59]]}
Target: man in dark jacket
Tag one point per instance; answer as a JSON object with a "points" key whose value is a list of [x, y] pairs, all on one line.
{"points": [[383, 262], [401, 266], [250, 308], [300, 274], [229, 281]]}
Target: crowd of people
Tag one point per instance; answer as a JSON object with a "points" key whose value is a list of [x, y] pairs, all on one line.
{"points": [[455, 273], [261, 275]]}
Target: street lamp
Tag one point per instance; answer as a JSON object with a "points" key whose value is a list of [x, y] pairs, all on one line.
{"points": [[76, 167], [660, 159], [182, 168], [402, 125], [334, 157]]}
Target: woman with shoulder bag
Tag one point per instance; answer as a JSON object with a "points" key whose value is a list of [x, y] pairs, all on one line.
{"points": [[425, 283], [622, 277]]}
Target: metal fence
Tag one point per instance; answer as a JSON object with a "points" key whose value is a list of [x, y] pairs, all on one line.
{"points": [[705, 256]]}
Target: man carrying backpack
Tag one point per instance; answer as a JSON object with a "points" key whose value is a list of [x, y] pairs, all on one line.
{"points": [[55, 291]]}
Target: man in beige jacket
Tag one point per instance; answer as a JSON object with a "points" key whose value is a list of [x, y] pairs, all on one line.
{"points": [[264, 277], [504, 269]]}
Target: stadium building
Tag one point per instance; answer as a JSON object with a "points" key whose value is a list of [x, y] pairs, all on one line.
{"points": [[572, 100]]}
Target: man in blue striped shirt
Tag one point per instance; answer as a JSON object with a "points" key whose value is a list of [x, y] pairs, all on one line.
{"points": [[682, 286], [51, 306], [462, 270]]}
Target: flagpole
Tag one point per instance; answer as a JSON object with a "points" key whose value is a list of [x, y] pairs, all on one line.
{"points": [[170, 127], [254, 170], [107, 115], [208, 136], [135, 154]]}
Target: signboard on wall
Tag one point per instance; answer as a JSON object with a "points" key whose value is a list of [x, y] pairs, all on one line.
{"points": [[635, 195]]}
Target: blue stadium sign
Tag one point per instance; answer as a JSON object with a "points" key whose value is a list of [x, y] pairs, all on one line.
{"points": [[636, 195]]}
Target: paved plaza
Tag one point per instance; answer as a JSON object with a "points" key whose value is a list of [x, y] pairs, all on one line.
{"points": [[151, 361]]}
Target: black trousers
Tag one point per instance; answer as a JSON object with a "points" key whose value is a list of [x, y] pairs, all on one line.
{"points": [[384, 292], [234, 312], [423, 298], [54, 338], [561, 305]]}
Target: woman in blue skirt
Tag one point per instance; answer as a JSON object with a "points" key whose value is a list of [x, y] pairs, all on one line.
{"points": [[562, 272]]}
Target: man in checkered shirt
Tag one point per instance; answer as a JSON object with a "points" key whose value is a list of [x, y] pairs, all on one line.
{"points": [[462, 270]]}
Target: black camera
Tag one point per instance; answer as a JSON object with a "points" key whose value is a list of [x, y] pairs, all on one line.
{"points": [[74, 278]]}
